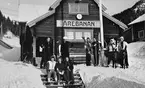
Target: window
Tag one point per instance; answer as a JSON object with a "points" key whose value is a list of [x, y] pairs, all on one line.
{"points": [[69, 35], [75, 8], [87, 34], [76, 35], [141, 34]]}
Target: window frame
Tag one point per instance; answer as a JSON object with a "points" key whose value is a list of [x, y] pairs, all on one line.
{"points": [[78, 8], [78, 30], [139, 34]]}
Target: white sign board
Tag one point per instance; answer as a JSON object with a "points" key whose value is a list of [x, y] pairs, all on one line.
{"points": [[78, 23]]}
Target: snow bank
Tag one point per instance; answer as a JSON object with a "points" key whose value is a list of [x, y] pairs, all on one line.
{"points": [[12, 54], [14, 41], [100, 77], [114, 82], [136, 49], [2, 48], [19, 75], [133, 77]]}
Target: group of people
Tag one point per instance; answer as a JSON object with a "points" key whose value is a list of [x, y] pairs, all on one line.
{"points": [[47, 50], [116, 51], [60, 70]]}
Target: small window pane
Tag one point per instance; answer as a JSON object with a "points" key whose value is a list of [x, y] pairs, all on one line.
{"points": [[87, 34], [141, 34], [70, 35], [78, 35]]}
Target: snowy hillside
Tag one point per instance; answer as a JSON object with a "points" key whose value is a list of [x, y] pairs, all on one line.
{"points": [[14, 53], [11, 39]]}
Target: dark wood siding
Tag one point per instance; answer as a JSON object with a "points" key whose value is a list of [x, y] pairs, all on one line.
{"points": [[110, 29], [93, 13], [45, 27], [136, 28], [128, 35]]}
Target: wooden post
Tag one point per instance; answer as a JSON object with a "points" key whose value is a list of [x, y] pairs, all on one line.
{"points": [[101, 61], [132, 33], [1, 31], [101, 24], [34, 47]]}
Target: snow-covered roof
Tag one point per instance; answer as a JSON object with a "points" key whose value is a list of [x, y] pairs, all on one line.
{"points": [[57, 2], [33, 22], [122, 25], [139, 19]]}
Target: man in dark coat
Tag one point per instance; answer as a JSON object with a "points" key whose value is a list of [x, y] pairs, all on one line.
{"points": [[60, 69], [95, 52], [48, 49], [64, 49], [69, 70]]}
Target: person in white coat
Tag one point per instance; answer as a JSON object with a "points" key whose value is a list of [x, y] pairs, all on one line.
{"points": [[51, 69]]}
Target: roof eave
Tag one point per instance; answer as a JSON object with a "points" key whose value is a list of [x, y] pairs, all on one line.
{"points": [[57, 2], [122, 25], [34, 22]]}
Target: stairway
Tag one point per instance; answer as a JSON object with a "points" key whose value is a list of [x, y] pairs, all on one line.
{"points": [[78, 83]]}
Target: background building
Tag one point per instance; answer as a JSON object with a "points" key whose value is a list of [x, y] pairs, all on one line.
{"points": [[137, 29]]}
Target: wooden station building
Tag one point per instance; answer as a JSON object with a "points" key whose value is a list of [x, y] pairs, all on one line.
{"points": [[73, 19], [136, 31]]}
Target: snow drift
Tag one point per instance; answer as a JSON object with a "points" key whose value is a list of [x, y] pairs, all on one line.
{"points": [[14, 53], [19, 75], [136, 49], [133, 77]]}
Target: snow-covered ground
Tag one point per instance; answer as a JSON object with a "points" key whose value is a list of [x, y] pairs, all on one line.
{"points": [[13, 41], [19, 75], [11, 54], [133, 77]]}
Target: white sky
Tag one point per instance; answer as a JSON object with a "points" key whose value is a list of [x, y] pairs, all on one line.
{"points": [[28, 12]]}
